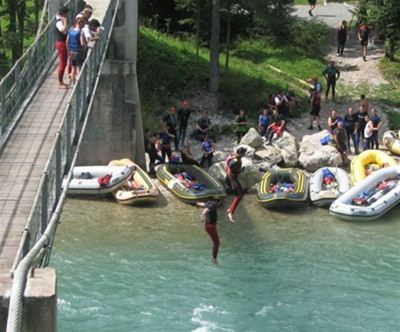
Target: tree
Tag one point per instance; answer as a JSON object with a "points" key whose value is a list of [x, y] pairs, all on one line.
{"points": [[214, 51], [385, 16]]}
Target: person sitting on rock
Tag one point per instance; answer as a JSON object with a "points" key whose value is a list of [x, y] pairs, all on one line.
{"points": [[263, 122], [203, 126], [187, 156], [276, 127], [208, 148]]}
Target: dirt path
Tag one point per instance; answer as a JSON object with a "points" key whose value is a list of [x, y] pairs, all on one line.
{"points": [[354, 70]]}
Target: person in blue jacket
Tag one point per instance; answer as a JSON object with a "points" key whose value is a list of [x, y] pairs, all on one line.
{"points": [[208, 148]]}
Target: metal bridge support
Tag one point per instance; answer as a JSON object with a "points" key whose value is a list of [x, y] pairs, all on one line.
{"points": [[115, 128]]}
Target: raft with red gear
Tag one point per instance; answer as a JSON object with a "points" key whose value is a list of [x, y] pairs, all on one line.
{"points": [[327, 184], [189, 183], [283, 188], [370, 198]]}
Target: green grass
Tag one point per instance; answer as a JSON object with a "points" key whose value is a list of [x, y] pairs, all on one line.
{"points": [[167, 72]]}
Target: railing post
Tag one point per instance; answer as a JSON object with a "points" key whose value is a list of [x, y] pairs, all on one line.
{"points": [[17, 75], [68, 139], [84, 89], [78, 104], [59, 172], [44, 203], [3, 108]]}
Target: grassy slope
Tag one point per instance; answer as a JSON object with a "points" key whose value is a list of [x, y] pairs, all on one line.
{"points": [[391, 71], [167, 72]]}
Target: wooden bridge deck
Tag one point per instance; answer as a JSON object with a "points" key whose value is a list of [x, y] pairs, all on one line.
{"points": [[24, 158], [21, 165]]}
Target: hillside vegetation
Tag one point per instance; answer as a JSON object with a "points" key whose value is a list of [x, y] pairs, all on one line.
{"points": [[168, 71]]}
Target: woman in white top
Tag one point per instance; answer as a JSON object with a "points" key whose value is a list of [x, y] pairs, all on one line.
{"points": [[368, 130]]}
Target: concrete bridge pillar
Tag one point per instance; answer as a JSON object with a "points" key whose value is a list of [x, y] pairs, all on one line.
{"points": [[115, 127]]}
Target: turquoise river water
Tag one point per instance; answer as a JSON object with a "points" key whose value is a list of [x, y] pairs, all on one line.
{"points": [[148, 269]]}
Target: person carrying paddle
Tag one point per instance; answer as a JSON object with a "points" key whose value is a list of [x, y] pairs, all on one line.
{"points": [[209, 217], [233, 168]]}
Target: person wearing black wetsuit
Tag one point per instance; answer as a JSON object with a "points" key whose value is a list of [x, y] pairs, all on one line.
{"points": [[209, 217], [183, 120], [331, 74], [350, 121]]}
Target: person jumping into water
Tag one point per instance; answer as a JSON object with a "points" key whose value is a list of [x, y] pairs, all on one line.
{"points": [[233, 168], [209, 217]]}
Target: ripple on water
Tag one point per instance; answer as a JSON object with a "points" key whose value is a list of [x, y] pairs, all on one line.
{"points": [[124, 269]]}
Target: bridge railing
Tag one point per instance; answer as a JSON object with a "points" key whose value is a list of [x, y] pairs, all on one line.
{"points": [[23, 78], [38, 235], [59, 162]]}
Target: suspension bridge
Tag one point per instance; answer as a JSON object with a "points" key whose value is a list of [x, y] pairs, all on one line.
{"points": [[41, 131]]}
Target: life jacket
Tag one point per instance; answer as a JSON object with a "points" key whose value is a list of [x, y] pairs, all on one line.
{"points": [[74, 43], [207, 146], [104, 181], [264, 120], [233, 171]]}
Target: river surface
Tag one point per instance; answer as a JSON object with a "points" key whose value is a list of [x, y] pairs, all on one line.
{"points": [[149, 269]]}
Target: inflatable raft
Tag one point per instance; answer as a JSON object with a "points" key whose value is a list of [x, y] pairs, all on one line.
{"points": [[327, 184], [373, 159], [98, 180], [138, 188], [189, 183], [391, 140], [370, 198], [283, 188]]}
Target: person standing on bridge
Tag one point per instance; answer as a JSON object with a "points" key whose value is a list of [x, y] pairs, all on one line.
{"points": [[75, 45], [61, 46]]}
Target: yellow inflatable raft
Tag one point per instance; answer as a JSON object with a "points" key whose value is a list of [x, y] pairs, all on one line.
{"points": [[138, 189], [373, 159], [391, 140]]}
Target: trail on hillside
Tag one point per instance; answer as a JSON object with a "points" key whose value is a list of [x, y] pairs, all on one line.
{"points": [[354, 71]]}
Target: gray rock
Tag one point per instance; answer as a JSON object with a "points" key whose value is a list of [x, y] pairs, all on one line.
{"points": [[248, 177], [252, 138], [288, 147], [313, 155], [270, 154]]}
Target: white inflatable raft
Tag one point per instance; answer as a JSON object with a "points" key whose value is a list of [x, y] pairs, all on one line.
{"points": [[327, 184], [370, 198], [98, 180]]}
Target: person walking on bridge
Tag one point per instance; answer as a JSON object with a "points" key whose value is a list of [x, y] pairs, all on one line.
{"points": [[61, 30]]}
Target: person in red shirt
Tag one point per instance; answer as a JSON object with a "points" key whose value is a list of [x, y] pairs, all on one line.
{"points": [[233, 168]]}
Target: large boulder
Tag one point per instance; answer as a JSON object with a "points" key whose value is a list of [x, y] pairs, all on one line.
{"points": [[219, 156], [269, 153], [313, 155], [252, 138], [288, 147], [248, 177]]}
